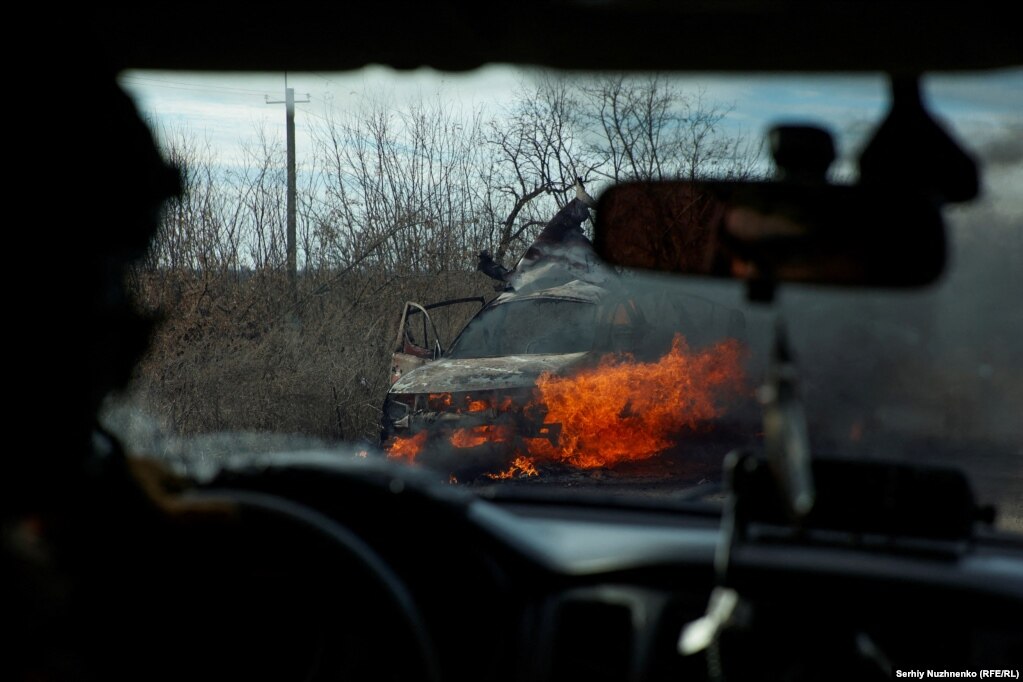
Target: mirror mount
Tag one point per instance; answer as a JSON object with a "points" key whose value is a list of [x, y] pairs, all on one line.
{"points": [[786, 436], [910, 149], [761, 290], [801, 153]]}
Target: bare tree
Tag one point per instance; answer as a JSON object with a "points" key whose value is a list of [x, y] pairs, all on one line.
{"points": [[648, 129], [537, 155], [395, 205]]}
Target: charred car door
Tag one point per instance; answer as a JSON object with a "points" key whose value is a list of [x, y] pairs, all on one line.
{"points": [[418, 340]]}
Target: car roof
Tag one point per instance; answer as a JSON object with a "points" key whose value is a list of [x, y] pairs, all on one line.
{"points": [[576, 290]]}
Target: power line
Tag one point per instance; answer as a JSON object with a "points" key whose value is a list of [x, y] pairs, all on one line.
{"points": [[208, 86], [320, 75], [326, 103], [160, 82]]}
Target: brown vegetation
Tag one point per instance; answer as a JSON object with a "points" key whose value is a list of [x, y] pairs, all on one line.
{"points": [[393, 206]]}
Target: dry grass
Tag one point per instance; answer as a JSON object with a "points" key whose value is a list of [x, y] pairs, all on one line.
{"points": [[238, 354]]}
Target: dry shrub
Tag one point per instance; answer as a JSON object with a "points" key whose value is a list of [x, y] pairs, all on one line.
{"points": [[238, 353], [393, 206]]}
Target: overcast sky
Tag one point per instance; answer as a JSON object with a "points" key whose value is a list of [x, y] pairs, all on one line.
{"points": [[227, 110]]}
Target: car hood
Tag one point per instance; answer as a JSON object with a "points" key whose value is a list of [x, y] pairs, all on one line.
{"points": [[483, 374]]}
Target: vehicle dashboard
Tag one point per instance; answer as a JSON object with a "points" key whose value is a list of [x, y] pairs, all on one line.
{"points": [[546, 590]]}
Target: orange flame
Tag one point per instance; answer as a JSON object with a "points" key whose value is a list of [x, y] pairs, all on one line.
{"points": [[620, 410], [475, 436], [439, 401], [406, 448], [624, 410], [522, 466]]}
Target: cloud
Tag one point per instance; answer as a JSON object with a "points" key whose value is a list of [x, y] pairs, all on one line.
{"points": [[1004, 146]]}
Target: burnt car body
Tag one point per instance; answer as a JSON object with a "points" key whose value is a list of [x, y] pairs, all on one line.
{"points": [[487, 376], [560, 310], [549, 325], [315, 566]]}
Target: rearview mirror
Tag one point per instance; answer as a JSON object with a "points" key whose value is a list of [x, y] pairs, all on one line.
{"points": [[774, 232]]}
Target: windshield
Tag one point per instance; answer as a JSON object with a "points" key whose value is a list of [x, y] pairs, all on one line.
{"points": [[281, 307], [512, 329]]}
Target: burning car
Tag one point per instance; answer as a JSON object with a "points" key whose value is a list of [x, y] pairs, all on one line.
{"points": [[567, 352], [483, 385]]}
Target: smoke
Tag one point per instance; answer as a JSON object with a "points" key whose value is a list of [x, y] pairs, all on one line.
{"points": [[928, 376], [1003, 146], [933, 375]]}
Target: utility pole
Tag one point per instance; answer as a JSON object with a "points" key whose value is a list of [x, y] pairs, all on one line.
{"points": [[289, 101]]}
